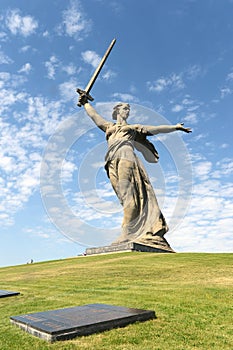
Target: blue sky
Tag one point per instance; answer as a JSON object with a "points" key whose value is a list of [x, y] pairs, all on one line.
{"points": [[173, 61]]}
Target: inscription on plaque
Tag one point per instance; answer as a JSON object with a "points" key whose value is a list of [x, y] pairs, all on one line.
{"points": [[7, 293], [68, 323]]}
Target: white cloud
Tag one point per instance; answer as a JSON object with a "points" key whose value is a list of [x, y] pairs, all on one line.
{"points": [[199, 137], [51, 66], [189, 106], [45, 34], [206, 226], [224, 145], [25, 48], [202, 169], [174, 81], [4, 59], [46, 233], [91, 57], [68, 168], [3, 36], [22, 145], [70, 69], [8, 94], [6, 163], [75, 22], [67, 90], [187, 101], [191, 118], [20, 181], [177, 108], [230, 76], [193, 72], [26, 68], [158, 86], [225, 166], [177, 81], [109, 75], [100, 206], [17, 24], [125, 97], [225, 91]]}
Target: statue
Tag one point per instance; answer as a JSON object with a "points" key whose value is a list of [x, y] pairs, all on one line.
{"points": [[143, 221]]}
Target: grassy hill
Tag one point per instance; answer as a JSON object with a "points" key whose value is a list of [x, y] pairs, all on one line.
{"points": [[190, 293]]}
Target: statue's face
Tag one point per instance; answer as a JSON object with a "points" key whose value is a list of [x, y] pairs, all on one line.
{"points": [[124, 110]]}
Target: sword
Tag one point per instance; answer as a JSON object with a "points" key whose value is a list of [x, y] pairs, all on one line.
{"points": [[89, 86]]}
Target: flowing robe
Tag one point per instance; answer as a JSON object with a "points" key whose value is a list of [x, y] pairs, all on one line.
{"points": [[143, 219]]}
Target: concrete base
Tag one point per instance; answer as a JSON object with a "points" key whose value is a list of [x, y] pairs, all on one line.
{"points": [[129, 246]]}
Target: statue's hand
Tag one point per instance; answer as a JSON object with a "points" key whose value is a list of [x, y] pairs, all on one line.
{"points": [[82, 99], [182, 128]]}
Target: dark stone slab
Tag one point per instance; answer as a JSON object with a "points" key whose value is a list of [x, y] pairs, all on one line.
{"points": [[128, 246], [76, 321], [7, 293]]}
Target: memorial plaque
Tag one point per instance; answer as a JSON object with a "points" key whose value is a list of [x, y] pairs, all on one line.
{"points": [[7, 293], [76, 321]]}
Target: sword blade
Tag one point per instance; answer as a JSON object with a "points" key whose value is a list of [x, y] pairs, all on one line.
{"points": [[100, 66]]}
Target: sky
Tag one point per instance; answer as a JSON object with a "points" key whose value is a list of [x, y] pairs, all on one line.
{"points": [[172, 62]]}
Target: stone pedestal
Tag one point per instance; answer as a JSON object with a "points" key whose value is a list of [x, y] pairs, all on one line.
{"points": [[131, 247]]}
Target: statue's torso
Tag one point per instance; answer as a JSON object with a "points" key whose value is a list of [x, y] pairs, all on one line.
{"points": [[120, 141]]}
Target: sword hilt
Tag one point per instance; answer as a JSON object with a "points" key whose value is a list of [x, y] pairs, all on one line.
{"points": [[83, 93]]}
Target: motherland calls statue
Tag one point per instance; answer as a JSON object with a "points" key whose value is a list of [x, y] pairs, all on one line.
{"points": [[143, 221]]}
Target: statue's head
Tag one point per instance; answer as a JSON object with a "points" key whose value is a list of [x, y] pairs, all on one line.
{"points": [[119, 108]]}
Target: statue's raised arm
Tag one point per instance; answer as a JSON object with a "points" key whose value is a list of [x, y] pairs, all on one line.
{"points": [[92, 113]]}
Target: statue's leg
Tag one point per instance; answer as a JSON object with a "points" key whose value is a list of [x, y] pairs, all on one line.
{"points": [[127, 190]]}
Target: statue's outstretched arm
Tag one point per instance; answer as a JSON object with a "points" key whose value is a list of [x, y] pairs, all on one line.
{"points": [[163, 129]]}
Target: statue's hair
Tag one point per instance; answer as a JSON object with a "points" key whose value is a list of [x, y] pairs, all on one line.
{"points": [[116, 108]]}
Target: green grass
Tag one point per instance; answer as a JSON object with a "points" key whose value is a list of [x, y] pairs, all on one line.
{"points": [[190, 293]]}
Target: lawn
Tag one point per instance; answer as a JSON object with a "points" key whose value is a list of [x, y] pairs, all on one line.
{"points": [[190, 293]]}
